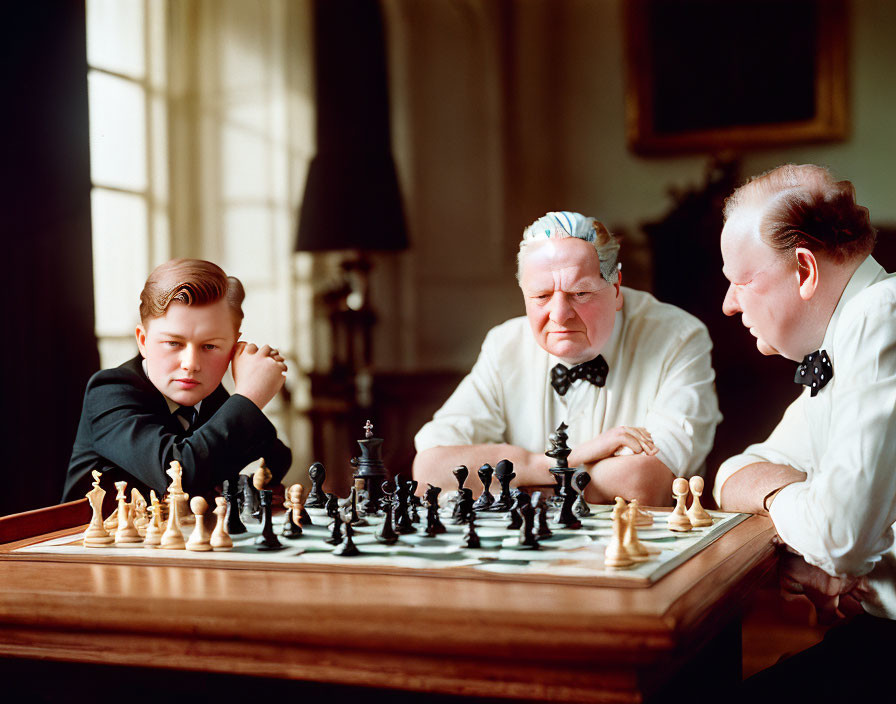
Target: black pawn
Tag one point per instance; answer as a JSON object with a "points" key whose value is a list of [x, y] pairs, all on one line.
{"points": [[347, 547], [232, 517], [460, 473], [580, 480], [250, 510], [516, 520], [332, 506], [505, 474], [316, 497], [268, 539], [470, 538], [527, 530], [485, 499]]}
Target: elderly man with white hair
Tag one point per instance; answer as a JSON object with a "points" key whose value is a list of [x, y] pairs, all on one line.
{"points": [[630, 376]]}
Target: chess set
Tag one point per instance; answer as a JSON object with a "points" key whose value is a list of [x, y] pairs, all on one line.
{"points": [[385, 527]]}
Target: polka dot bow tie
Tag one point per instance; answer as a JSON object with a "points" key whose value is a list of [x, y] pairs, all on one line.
{"points": [[594, 372], [815, 371]]}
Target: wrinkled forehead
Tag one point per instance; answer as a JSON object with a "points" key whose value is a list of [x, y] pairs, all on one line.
{"points": [[569, 259]]}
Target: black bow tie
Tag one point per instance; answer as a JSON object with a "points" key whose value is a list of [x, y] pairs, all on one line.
{"points": [[815, 371], [594, 372], [189, 414]]}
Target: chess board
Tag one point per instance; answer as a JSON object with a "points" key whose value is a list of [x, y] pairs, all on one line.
{"points": [[568, 556]]}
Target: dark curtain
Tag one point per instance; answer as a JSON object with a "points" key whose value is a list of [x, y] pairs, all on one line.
{"points": [[49, 347]]}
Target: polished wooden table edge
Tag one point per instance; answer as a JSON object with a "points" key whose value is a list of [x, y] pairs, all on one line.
{"points": [[546, 642]]}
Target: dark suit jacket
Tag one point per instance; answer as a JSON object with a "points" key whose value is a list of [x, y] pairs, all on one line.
{"points": [[128, 433]]}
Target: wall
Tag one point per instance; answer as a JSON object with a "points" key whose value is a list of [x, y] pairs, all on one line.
{"points": [[504, 110]]}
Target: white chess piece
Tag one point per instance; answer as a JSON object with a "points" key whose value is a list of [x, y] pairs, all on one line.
{"points": [[678, 519], [634, 547], [698, 515], [199, 538], [126, 532], [96, 536], [153, 535], [221, 539], [616, 556], [172, 538]]}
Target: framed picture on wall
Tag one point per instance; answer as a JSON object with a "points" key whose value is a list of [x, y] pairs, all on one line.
{"points": [[705, 75]]}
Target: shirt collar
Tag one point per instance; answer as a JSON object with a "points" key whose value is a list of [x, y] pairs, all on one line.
{"points": [[172, 405], [869, 272]]}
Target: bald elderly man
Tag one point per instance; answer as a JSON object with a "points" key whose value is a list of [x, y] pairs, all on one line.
{"points": [[630, 376]]}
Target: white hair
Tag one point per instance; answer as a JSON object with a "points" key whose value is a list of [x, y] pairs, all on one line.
{"points": [[563, 223]]}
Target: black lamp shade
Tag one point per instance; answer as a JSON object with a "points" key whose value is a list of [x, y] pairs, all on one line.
{"points": [[352, 199]]}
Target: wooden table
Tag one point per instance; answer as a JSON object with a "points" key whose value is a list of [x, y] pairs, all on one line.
{"points": [[434, 634]]}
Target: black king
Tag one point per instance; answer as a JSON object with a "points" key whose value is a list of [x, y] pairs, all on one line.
{"points": [[371, 470]]}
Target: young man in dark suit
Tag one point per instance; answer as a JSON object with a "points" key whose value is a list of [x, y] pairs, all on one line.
{"points": [[167, 403]]}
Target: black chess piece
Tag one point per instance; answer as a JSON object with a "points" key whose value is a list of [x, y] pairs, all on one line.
{"points": [[305, 518], [316, 497], [580, 480], [516, 520], [485, 499], [386, 534], [470, 538], [291, 529], [460, 473], [332, 506], [541, 508], [557, 498], [335, 529], [413, 500], [434, 525], [232, 520], [250, 509], [347, 547], [559, 448], [371, 470], [527, 530], [567, 519], [464, 506], [403, 522], [505, 474], [354, 517], [268, 538]]}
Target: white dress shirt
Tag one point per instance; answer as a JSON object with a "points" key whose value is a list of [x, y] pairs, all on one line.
{"points": [[840, 518], [660, 378]]}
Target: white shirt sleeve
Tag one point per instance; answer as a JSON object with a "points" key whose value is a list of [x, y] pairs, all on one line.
{"points": [[682, 418], [788, 444], [840, 518], [474, 413]]}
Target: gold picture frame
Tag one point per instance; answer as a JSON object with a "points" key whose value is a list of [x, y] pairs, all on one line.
{"points": [[707, 76]]}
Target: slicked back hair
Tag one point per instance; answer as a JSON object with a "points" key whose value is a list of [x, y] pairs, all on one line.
{"points": [[192, 282], [804, 206]]}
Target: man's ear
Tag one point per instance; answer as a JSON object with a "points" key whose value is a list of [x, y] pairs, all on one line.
{"points": [[141, 340], [807, 272], [619, 294]]}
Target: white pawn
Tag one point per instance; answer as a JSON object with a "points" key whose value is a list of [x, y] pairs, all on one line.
{"points": [[138, 508], [698, 515], [154, 528], [172, 538], [221, 539], [126, 532], [616, 555], [678, 519], [199, 538]]}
